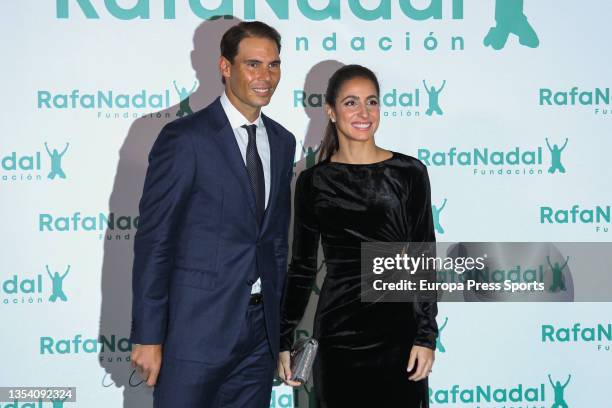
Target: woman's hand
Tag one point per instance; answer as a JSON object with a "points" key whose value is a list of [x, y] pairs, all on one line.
{"points": [[422, 356], [284, 370]]}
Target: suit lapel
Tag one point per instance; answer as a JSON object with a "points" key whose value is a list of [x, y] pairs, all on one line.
{"points": [[226, 140], [275, 168]]}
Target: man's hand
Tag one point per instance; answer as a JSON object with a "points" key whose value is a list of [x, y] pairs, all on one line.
{"points": [[424, 357], [284, 369], [146, 359]]}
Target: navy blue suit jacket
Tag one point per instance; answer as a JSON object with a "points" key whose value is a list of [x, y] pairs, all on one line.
{"points": [[198, 248]]}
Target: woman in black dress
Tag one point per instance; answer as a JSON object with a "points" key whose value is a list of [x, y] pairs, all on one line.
{"points": [[370, 354]]}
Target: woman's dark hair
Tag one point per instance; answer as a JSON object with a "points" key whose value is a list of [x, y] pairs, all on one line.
{"points": [[330, 145], [232, 37]]}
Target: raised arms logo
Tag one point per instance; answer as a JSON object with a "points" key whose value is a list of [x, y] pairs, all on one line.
{"points": [[510, 19], [434, 104], [57, 284], [435, 211], [555, 157], [184, 94], [558, 279], [310, 155], [559, 389], [56, 162], [439, 346]]}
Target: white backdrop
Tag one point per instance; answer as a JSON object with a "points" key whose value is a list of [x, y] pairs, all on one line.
{"points": [[62, 59]]}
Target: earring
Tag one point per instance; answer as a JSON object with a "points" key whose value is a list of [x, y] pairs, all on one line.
{"points": [[333, 120]]}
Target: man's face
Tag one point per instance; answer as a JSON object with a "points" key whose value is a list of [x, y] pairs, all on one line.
{"points": [[251, 80]]}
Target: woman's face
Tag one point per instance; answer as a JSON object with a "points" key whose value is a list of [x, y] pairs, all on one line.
{"points": [[357, 110]]}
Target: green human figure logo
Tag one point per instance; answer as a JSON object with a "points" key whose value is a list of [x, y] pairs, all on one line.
{"points": [[58, 403], [510, 19], [310, 155], [434, 99], [436, 216], [57, 280], [184, 94], [56, 162], [558, 282], [559, 389], [555, 157], [439, 346]]}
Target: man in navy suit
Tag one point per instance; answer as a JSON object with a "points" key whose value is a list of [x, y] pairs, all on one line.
{"points": [[210, 254]]}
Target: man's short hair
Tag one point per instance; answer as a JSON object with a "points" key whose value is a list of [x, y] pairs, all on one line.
{"points": [[232, 37]]}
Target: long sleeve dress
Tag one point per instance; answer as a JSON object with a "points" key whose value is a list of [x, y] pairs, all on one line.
{"points": [[363, 347]]}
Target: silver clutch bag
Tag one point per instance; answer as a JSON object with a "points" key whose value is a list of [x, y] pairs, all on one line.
{"points": [[303, 354]]}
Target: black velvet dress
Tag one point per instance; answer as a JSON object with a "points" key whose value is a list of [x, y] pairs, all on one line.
{"points": [[363, 347]]}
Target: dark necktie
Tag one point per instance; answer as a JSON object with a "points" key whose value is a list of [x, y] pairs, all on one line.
{"points": [[255, 170]]}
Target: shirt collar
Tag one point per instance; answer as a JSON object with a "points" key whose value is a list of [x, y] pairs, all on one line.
{"points": [[236, 119]]}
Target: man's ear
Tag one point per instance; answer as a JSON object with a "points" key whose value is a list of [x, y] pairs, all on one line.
{"points": [[225, 67]]}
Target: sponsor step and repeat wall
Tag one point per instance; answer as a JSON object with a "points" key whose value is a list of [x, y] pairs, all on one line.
{"points": [[507, 102]]}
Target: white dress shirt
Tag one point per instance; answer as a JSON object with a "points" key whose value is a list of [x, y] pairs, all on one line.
{"points": [[236, 120]]}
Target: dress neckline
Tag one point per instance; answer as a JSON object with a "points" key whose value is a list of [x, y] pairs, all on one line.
{"points": [[393, 154]]}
